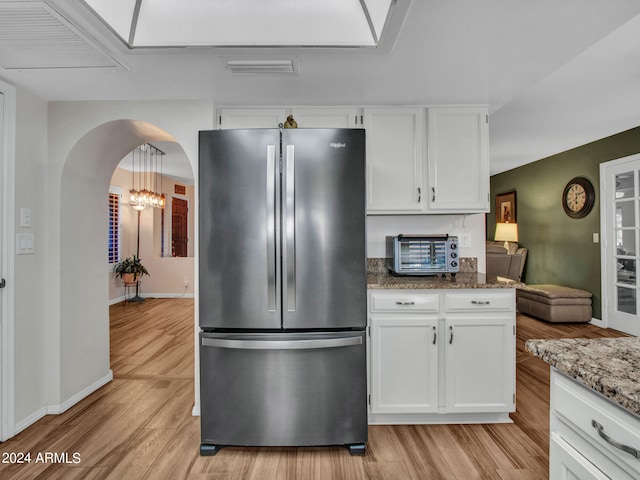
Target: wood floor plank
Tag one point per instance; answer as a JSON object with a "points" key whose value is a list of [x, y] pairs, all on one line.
{"points": [[139, 426]]}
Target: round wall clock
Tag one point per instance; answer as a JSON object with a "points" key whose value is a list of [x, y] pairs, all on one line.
{"points": [[578, 197]]}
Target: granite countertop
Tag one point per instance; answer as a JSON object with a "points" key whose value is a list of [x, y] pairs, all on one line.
{"points": [[610, 366], [461, 280], [379, 277]]}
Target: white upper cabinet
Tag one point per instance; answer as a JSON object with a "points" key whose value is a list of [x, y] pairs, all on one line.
{"points": [[229, 118], [419, 160], [394, 160], [319, 117], [458, 159]]}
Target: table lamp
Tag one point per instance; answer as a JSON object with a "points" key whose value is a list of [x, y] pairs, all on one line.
{"points": [[507, 232]]}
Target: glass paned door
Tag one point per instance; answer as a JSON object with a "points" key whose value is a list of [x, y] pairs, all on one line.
{"points": [[621, 234]]}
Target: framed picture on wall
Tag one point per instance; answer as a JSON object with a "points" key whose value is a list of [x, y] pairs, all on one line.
{"points": [[506, 207]]}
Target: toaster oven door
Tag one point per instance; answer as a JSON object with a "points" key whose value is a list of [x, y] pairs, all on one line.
{"points": [[422, 256]]}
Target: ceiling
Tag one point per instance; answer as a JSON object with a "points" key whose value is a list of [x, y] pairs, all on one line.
{"points": [[555, 75]]}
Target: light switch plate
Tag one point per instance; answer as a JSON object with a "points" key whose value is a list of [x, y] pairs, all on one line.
{"points": [[25, 244], [25, 217]]}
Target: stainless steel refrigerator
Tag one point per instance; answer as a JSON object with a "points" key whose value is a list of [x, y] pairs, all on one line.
{"points": [[282, 288]]}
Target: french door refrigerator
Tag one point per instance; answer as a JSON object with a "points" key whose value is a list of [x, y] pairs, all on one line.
{"points": [[282, 288]]}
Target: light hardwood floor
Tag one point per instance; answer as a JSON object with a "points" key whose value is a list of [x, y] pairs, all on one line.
{"points": [[139, 426]]}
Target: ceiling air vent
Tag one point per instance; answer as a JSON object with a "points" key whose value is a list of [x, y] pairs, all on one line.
{"points": [[263, 66], [35, 36]]}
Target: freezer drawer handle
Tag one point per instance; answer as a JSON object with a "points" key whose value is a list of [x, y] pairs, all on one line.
{"points": [[612, 442], [282, 344]]}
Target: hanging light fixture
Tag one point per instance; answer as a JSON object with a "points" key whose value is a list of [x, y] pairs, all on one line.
{"points": [[145, 195]]}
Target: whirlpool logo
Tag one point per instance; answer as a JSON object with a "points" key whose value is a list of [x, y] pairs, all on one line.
{"points": [[337, 145]]}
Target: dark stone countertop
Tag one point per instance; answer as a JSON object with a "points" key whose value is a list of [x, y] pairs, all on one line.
{"points": [[609, 366]]}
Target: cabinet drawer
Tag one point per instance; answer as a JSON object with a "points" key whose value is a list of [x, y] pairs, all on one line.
{"points": [[460, 302], [603, 423], [411, 302]]}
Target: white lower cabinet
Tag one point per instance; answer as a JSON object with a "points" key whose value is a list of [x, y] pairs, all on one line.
{"points": [[407, 345], [442, 357], [591, 437], [566, 463], [480, 363]]}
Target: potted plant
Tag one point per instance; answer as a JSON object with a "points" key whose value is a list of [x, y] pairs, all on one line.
{"points": [[130, 269]]}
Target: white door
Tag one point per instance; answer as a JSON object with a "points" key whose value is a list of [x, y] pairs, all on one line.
{"points": [[620, 226], [404, 355], [480, 363], [565, 463], [394, 160], [458, 152], [326, 117], [229, 118]]}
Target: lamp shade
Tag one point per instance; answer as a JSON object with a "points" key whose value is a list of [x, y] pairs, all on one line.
{"points": [[507, 232]]}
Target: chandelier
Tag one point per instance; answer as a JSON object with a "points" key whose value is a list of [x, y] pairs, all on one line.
{"points": [[149, 175]]}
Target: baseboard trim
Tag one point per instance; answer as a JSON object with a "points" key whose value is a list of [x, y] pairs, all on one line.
{"points": [[63, 407], [114, 301]]}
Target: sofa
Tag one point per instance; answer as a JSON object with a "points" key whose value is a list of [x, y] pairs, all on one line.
{"points": [[505, 263]]}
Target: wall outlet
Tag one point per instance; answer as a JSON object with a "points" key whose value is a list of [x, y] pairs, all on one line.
{"points": [[465, 241], [186, 282]]}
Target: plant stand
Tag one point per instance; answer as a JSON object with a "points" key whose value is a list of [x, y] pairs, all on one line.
{"points": [[127, 291]]}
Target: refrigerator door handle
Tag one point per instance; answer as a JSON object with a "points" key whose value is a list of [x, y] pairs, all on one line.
{"points": [[271, 229], [282, 344], [290, 226]]}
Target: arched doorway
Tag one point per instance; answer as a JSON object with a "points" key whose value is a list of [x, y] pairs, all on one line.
{"points": [[84, 319]]}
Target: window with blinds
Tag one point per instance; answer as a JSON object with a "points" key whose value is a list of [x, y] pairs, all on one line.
{"points": [[114, 227]]}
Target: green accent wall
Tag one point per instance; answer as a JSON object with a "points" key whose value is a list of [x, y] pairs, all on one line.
{"points": [[561, 249]]}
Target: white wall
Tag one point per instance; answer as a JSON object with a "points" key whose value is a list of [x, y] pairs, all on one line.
{"points": [[31, 336], [86, 142]]}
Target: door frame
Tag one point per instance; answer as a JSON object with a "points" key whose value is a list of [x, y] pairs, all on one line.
{"points": [[605, 241], [7, 204]]}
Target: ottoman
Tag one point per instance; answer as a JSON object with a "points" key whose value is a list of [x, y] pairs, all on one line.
{"points": [[555, 303]]}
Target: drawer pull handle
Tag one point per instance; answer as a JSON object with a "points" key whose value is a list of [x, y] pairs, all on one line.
{"points": [[479, 302], [405, 303], [450, 334], [435, 335], [612, 442]]}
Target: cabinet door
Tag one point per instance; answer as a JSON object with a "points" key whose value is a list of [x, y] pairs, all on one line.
{"points": [[458, 159], [229, 118], [480, 362], [565, 463], [394, 160], [404, 370], [326, 117]]}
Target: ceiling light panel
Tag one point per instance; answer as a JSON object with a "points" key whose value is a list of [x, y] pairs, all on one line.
{"points": [[246, 23]]}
